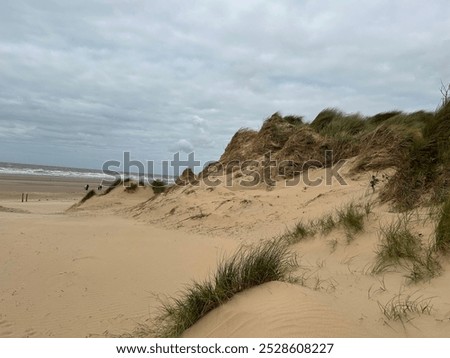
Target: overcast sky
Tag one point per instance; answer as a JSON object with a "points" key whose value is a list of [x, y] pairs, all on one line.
{"points": [[83, 81]]}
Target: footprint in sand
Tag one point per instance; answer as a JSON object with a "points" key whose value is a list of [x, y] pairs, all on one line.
{"points": [[5, 328], [30, 332]]}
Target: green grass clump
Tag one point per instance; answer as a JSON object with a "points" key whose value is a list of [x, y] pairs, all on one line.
{"points": [[326, 224], [158, 186], [415, 120], [380, 118], [443, 228], [324, 118], [424, 266], [398, 242], [294, 119], [352, 218], [131, 187], [299, 232], [333, 123], [347, 125], [400, 246], [248, 267], [425, 164]]}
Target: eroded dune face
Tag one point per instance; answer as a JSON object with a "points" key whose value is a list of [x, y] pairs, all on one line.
{"points": [[276, 309]]}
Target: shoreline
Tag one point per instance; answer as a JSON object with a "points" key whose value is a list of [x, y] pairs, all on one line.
{"points": [[43, 187]]}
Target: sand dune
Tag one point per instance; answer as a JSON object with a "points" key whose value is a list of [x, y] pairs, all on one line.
{"points": [[250, 213], [98, 269], [276, 309]]}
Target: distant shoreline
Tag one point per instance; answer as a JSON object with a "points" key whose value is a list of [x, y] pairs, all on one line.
{"points": [[12, 185], [41, 173]]}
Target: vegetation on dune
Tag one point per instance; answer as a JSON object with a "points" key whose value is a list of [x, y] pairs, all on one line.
{"points": [[380, 118], [324, 118], [351, 217], [400, 246], [402, 307], [398, 242], [131, 187], [91, 193], [326, 223], [416, 144], [248, 267], [443, 228], [344, 126], [299, 232], [293, 119], [158, 186], [115, 184], [425, 166]]}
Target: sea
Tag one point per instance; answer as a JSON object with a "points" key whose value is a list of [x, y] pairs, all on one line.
{"points": [[7, 168]]}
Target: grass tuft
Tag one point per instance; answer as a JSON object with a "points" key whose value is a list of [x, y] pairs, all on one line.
{"points": [[424, 266], [400, 246], [131, 188], [115, 184], [299, 232], [401, 307], [248, 267], [326, 224], [158, 186], [443, 228], [352, 218], [398, 242], [89, 194]]}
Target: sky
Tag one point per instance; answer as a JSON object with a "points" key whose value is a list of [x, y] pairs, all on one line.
{"points": [[82, 82]]}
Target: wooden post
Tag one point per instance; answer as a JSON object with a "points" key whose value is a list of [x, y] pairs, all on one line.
{"points": [[26, 198], [22, 197]]}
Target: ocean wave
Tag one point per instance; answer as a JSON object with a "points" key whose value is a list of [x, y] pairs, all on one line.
{"points": [[52, 172], [21, 169]]}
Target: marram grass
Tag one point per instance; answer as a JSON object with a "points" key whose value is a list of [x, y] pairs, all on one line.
{"points": [[248, 267]]}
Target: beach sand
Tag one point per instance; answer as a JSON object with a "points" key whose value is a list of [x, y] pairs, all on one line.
{"points": [[95, 274], [102, 268]]}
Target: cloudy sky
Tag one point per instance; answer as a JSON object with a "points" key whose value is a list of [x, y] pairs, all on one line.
{"points": [[83, 81]]}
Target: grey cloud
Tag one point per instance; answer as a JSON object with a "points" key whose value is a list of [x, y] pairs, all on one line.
{"points": [[182, 145]]}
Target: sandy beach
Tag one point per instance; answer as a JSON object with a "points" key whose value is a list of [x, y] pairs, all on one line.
{"points": [[102, 268], [92, 274]]}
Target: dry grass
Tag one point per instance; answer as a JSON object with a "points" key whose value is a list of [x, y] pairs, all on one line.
{"points": [[117, 182], [91, 193], [403, 307]]}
